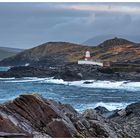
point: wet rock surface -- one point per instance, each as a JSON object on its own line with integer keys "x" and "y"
{"x": 71, "y": 72}
{"x": 31, "y": 115}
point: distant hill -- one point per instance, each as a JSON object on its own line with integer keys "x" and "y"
{"x": 116, "y": 42}
{"x": 94, "y": 41}
{"x": 7, "y": 52}
{"x": 59, "y": 53}
{"x": 51, "y": 53}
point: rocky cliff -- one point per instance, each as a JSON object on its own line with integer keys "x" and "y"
{"x": 35, "y": 116}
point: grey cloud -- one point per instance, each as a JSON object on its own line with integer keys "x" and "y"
{"x": 26, "y": 25}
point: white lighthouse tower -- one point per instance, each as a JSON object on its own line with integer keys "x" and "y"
{"x": 88, "y": 61}
{"x": 87, "y": 55}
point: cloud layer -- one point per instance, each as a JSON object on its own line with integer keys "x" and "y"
{"x": 25, "y": 25}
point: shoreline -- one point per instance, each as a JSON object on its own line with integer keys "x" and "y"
{"x": 42, "y": 117}
{"x": 72, "y": 72}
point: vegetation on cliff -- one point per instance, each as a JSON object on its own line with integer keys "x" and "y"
{"x": 59, "y": 53}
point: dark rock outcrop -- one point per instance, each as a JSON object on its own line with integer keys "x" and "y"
{"x": 128, "y": 120}
{"x": 101, "y": 110}
{"x": 34, "y": 116}
{"x": 71, "y": 72}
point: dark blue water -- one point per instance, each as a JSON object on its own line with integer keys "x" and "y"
{"x": 112, "y": 95}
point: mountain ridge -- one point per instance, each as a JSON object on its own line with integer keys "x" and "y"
{"x": 60, "y": 53}
{"x": 116, "y": 41}
{"x": 96, "y": 40}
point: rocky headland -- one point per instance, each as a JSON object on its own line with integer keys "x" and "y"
{"x": 59, "y": 53}
{"x": 31, "y": 115}
{"x": 59, "y": 60}
{"x": 73, "y": 72}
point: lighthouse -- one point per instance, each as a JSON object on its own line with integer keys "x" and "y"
{"x": 87, "y": 55}
{"x": 88, "y": 60}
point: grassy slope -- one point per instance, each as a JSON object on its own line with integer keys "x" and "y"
{"x": 112, "y": 50}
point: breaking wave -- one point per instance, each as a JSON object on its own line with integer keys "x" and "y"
{"x": 127, "y": 85}
{"x": 12, "y": 78}
{"x": 72, "y": 98}
{"x": 132, "y": 86}
{"x": 110, "y": 106}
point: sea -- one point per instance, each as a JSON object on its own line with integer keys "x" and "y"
{"x": 110, "y": 94}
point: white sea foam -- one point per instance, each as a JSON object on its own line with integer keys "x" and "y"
{"x": 12, "y": 78}
{"x": 27, "y": 64}
{"x": 132, "y": 86}
{"x": 21, "y": 81}
{"x": 110, "y": 106}
{"x": 97, "y": 84}
{"x": 127, "y": 85}
{"x": 55, "y": 81}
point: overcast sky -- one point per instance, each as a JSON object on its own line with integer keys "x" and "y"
{"x": 25, "y": 25}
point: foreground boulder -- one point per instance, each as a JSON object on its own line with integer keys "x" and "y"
{"x": 129, "y": 120}
{"x": 34, "y": 116}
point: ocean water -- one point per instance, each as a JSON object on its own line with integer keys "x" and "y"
{"x": 4, "y": 68}
{"x": 110, "y": 94}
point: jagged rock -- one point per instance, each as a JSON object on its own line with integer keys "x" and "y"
{"x": 133, "y": 108}
{"x": 101, "y": 110}
{"x": 60, "y": 128}
{"x": 87, "y": 82}
{"x": 85, "y": 123}
{"x": 102, "y": 130}
{"x": 122, "y": 112}
{"x": 34, "y": 116}
{"x": 80, "y": 126}
{"x": 91, "y": 114}
{"x": 33, "y": 113}
{"x": 129, "y": 120}
{"x": 111, "y": 114}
